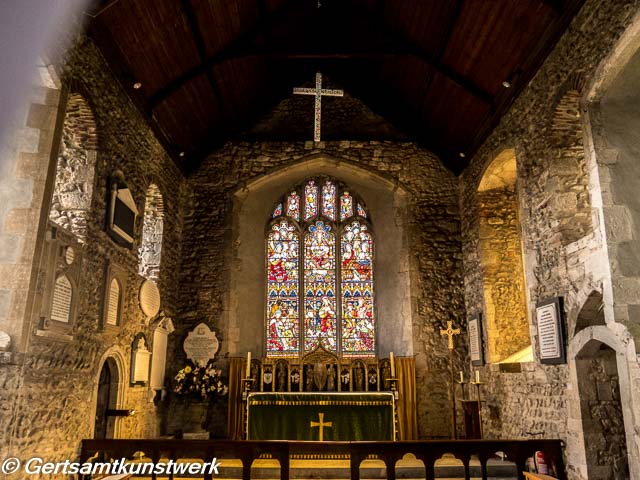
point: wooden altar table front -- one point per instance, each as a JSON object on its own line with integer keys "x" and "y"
{"x": 343, "y": 416}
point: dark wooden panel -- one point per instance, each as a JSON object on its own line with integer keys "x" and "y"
{"x": 190, "y": 115}
{"x": 452, "y": 115}
{"x": 493, "y": 38}
{"x": 154, "y": 39}
{"x": 425, "y": 23}
{"x": 223, "y": 21}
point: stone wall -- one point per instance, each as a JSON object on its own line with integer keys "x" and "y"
{"x": 502, "y": 272}
{"x": 560, "y": 198}
{"x": 432, "y": 242}
{"x": 49, "y": 387}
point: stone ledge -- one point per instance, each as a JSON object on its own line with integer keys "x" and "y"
{"x": 61, "y": 337}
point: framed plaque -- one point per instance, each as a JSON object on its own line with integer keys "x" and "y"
{"x": 476, "y": 347}
{"x": 551, "y": 331}
{"x": 122, "y": 213}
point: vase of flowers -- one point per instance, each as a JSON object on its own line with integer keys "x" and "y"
{"x": 200, "y": 387}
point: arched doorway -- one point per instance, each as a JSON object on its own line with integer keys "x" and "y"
{"x": 601, "y": 412}
{"x": 106, "y": 400}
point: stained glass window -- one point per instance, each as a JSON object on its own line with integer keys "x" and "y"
{"x": 361, "y": 211}
{"x": 282, "y": 290}
{"x": 319, "y": 287}
{"x": 346, "y": 206}
{"x": 310, "y": 200}
{"x": 329, "y": 200}
{"x": 358, "y": 329}
{"x": 293, "y": 206}
{"x": 278, "y": 211}
{"x": 333, "y": 303}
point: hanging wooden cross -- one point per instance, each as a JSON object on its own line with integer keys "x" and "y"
{"x": 450, "y": 332}
{"x": 318, "y": 92}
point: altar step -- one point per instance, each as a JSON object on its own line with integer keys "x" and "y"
{"x": 446, "y": 469}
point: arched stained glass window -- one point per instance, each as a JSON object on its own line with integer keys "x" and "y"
{"x": 319, "y": 286}
{"x": 320, "y": 278}
{"x": 283, "y": 318}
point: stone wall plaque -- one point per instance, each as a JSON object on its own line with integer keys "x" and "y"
{"x": 62, "y": 296}
{"x": 113, "y": 307}
{"x": 551, "y": 331}
{"x": 141, "y": 359}
{"x": 476, "y": 352}
{"x": 159, "y": 357}
{"x": 149, "y": 298}
{"x": 201, "y": 345}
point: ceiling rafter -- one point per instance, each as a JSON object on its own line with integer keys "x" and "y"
{"x": 245, "y": 47}
{"x": 196, "y": 33}
{"x": 236, "y": 49}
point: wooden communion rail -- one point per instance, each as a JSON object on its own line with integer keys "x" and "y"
{"x": 517, "y": 451}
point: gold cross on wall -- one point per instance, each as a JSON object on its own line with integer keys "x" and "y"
{"x": 318, "y": 92}
{"x": 450, "y": 332}
{"x": 321, "y": 425}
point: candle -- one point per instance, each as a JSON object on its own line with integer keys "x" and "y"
{"x": 393, "y": 365}
{"x": 248, "y": 372}
{"x": 461, "y": 377}
{"x": 477, "y": 376}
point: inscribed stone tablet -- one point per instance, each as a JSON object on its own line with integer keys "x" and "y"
{"x": 548, "y": 333}
{"x": 474, "y": 340}
{"x": 149, "y": 298}
{"x": 141, "y": 361}
{"x": 201, "y": 345}
{"x": 69, "y": 255}
{"x": 61, "y": 305}
{"x": 114, "y": 303}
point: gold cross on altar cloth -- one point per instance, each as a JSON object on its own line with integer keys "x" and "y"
{"x": 450, "y": 332}
{"x": 318, "y": 92}
{"x": 321, "y": 425}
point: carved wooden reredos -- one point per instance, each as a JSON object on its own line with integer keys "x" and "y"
{"x": 320, "y": 371}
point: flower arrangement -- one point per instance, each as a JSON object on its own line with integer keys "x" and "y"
{"x": 202, "y": 383}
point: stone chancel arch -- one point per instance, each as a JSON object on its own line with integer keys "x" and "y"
{"x": 385, "y": 205}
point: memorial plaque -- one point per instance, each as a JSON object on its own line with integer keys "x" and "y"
{"x": 201, "y": 345}
{"x": 149, "y": 298}
{"x": 61, "y": 304}
{"x": 113, "y": 309}
{"x": 159, "y": 357}
{"x": 476, "y": 352}
{"x": 141, "y": 361}
{"x": 550, "y": 331}
{"x": 69, "y": 255}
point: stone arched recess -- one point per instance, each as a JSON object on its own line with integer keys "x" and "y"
{"x": 253, "y": 206}
{"x": 501, "y": 260}
{"x": 586, "y": 344}
{"x": 116, "y": 356}
{"x": 150, "y": 252}
{"x": 75, "y": 168}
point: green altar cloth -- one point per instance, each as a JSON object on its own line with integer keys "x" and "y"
{"x": 339, "y": 415}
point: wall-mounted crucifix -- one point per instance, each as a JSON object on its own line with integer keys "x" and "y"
{"x": 318, "y": 92}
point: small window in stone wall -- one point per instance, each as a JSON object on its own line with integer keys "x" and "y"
{"x": 501, "y": 262}
{"x": 152, "y": 230}
{"x": 75, "y": 168}
{"x": 62, "y": 298}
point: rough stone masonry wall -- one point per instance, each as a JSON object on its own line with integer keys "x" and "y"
{"x": 434, "y": 245}
{"x": 503, "y": 274}
{"x": 533, "y": 401}
{"x": 48, "y": 391}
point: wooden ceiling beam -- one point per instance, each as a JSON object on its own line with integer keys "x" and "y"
{"x": 556, "y": 5}
{"x": 244, "y": 43}
{"x": 196, "y": 33}
{"x": 448, "y": 72}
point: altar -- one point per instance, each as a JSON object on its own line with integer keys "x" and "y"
{"x": 321, "y": 416}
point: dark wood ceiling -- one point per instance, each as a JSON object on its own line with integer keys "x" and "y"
{"x": 210, "y": 69}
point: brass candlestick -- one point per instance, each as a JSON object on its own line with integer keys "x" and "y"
{"x": 477, "y": 383}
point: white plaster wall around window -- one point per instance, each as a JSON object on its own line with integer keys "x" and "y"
{"x": 253, "y": 206}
